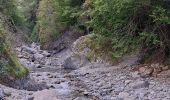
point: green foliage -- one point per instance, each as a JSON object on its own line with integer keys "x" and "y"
{"x": 27, "y": 9}
{"x": 68, "y": 11}
{"x": 9, "y": 8}
{"x": 130, "y": 25}
{"x": 9, "y": 64}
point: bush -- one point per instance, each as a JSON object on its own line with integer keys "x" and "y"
{"x": 132, "y": 25}
{"x": 9, "y": 8}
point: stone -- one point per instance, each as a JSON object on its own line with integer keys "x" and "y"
{"x": 1, "y": 94}
{"x": 164, "y": 68}
{"x": 31, "y": 98}
{"x": 128, "y": 81}
{"x": 20, "y": 56}
{"x": 142, "y": 69}
{"x": 148, "y": 71}
{"x": 45, "y": 95}
{"x": 135, "y": 74}
{"x": 46, "y": 54}
{"x": 38, "y": 56}
{"x": 28, "y": 49}
{"x": 125, "y": 96}
{"x": 73, "y": 62}
{"x": 139, "y": 84}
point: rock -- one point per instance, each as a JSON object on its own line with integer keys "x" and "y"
{"x": 128, "y": 81}
{"x": 142, "y": 69}
{"x": 46, "y": 54}
{"x": 39, "y": 66}
{"x": 164, "y": 68}
{"x": 146, "y": 71}
{"x": 1, "y": 94}
{"x": 125, "y": 96}
{"x": 45, "y": 95}
{"x": 20, "y": 56}
{"x": 139, "y": 84}
{"x": 135, "y": 74}
{"x": 30, "y": 98}
{"x": 38, "y": 57}
{"x": 7, "y": 92}
{"x": 28, "y": 49}
{"x": 74, "y": 62}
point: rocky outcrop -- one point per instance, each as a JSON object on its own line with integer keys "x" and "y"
{"x": 65, "y": 40}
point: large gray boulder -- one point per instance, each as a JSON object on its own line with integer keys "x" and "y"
{"x": 74, "y": 62}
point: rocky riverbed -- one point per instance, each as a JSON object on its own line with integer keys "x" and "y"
{"x": 65, "y": 76}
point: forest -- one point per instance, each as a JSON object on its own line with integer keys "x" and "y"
{"x": 85, "y": 45}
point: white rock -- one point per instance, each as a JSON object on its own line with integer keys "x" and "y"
{"x": 135, "y": 74}
{"x": 45, "y": 53}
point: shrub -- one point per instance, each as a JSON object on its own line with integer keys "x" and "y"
{"x": 132, "y": 25}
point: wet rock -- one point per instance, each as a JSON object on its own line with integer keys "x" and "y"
{"x": 45, "y": 95}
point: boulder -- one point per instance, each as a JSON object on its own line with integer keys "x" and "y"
{"x": 46, "y": 54}
{"x": 1, "y": 94}
{"x": 74, "y": 62}
{"x": 28, "y": 49}
{"x": 38, "y": 56}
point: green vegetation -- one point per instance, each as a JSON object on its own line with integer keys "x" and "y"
{"x": 130, "y": 26}
{"x": 9, "y": 65}
{"x": 120, "y": 27}
{"x": 8, "y": 8}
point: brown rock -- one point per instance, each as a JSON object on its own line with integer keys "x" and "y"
{"x": 146, "y": 71}
{"x": 142, "y": 69}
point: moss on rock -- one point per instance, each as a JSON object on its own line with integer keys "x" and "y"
{"x": 9, "y": 64}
